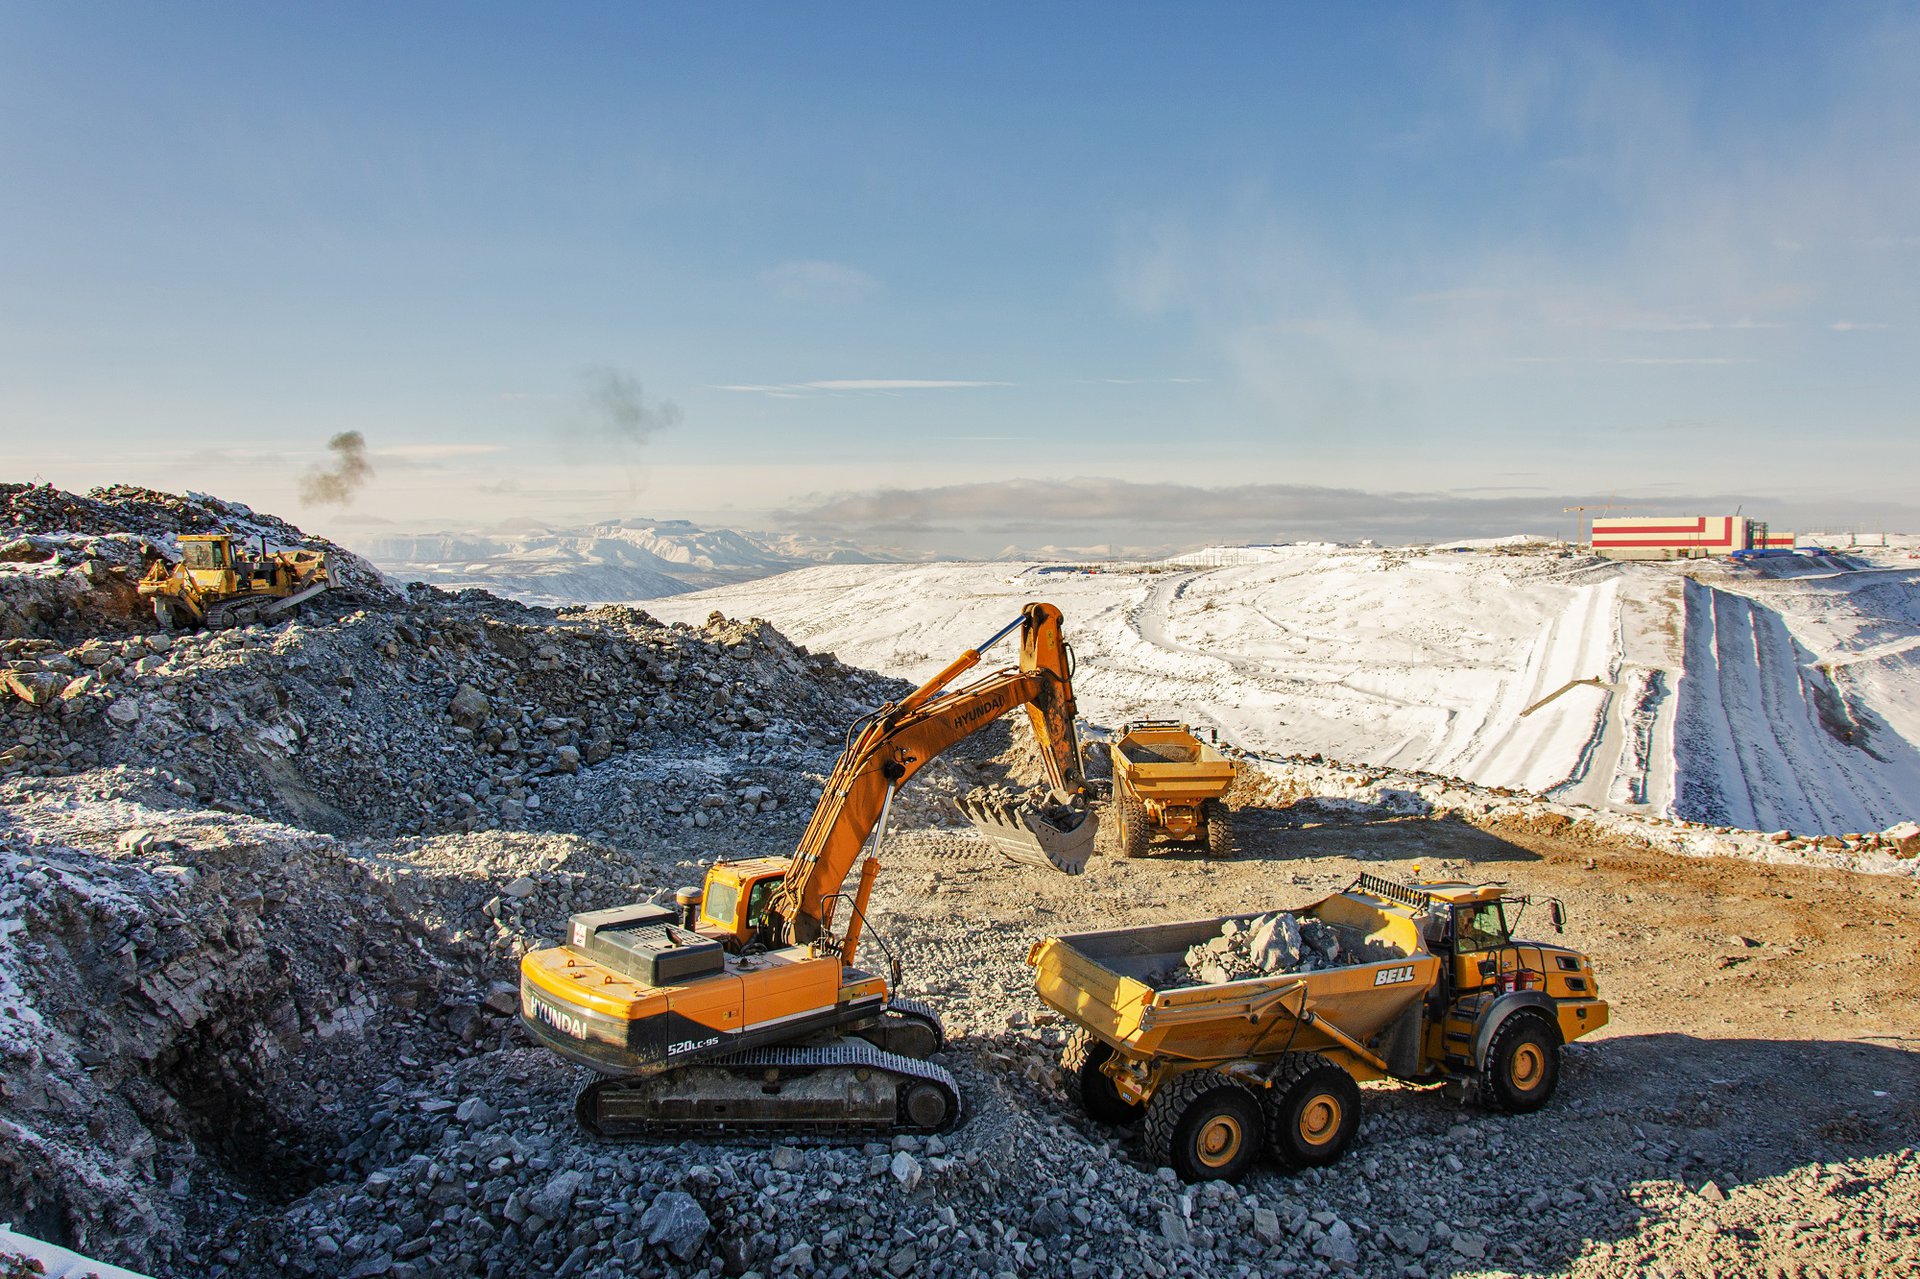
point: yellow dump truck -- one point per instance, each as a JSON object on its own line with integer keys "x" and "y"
{"x": 1424, "y": 983}
{"x": 218, "y": 584}
{"x": 1168, "y": 783}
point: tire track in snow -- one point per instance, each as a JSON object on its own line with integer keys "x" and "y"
{"x": 1752, "y": 747}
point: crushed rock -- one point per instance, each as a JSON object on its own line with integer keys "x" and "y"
{"x": 1263, "y": 946}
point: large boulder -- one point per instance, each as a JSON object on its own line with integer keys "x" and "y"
{"x": 469, "y": 707}
{"x": 675, "y": 1221}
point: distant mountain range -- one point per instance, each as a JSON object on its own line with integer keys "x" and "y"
{"x": 627, "y": 560}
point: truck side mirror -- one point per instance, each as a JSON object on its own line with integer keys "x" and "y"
{"x": 1558, "y": 914}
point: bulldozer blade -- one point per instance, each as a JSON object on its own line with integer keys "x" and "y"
{"x": 1052, "y": 839}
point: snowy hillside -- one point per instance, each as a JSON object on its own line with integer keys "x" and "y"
{"x": 626, "y": 560}
{"x": 1781, "y": 696}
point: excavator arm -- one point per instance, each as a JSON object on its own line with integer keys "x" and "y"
{"x": 895, "y": 742}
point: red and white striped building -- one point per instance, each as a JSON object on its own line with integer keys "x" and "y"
{"x": 1681, "y": 537}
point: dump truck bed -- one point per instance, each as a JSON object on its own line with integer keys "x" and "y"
{"x": 1171, "y": 765}
{"x": 1113, "y": 983}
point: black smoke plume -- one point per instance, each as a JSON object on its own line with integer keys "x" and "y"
{"x": 335, "y": 485}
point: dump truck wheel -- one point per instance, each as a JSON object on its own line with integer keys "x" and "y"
{"x": 1133, "y": 824}
{"x": 1082, "y": 1058}
{"x": 1312, "y": 1112}
{"x": 1219, "y": 823}
{"x": 1205, "y": 1127}
{"x": 1523, "y": 1065}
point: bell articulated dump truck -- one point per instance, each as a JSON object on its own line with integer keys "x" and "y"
{"x": 1168, "y": 783}
{"x": 1422, "y": 983}
{"x": 753, "y": 1007}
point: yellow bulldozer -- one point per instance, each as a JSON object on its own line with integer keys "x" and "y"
{"x": 754, "y": 1007}
{"x": 1426, "y": 983}
{"x": 217, "y": 584}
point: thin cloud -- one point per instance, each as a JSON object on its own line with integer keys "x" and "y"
{"x": 428, "y": 451}
{"x": 893, "y": 384}
{"x": 1632, "y": 359}
{"x": 1144, "y": 381}
{"x": 1855, "y": 326}
{"x": 820, "y": 280}
{"x": 793, "y": 390}
{"x": 1700, "y": 245}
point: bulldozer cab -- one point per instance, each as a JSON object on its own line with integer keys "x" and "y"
{"x": 209, "y": 560}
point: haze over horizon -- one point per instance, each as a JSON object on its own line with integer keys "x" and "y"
{"x": 953, "y": 280}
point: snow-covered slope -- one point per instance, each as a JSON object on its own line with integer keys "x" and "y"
{"x": 627, "y": 560}
{"x": 1616, "y": 685}
{"x": 1801, "y": 706}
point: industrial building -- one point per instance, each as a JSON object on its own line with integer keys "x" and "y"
{"x": 1682, "y": 537}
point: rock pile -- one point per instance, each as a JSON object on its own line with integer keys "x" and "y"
{"x": 1278, "y": 942}
{"x": 428, "y": 715}
{"x": 196, "y": 1006}
{"x": 69, "y": 564}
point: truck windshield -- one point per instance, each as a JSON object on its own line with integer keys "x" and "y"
{"x": 1479, "y": 927}
{"x": 198, "y": 555}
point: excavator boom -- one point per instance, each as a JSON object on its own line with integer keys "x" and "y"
{"x": 895, "y": 742}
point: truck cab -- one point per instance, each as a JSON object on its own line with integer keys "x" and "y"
{"x": 1489, "y": 975}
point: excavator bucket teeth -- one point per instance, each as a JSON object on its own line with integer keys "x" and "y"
{"x": 1053, "y": 837}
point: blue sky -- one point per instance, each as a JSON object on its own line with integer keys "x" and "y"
{"x": 1652, "y": 252}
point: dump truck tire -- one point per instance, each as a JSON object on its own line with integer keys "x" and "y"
{"x": 1219, "y": 833}
{"x": 1133, "y": 824}
{"x": 1312, "y": 1112}
{"x": 1523, "y": 1065}
{"x": 1082, "y": 1058}
{"x": 1204, "y": 1126}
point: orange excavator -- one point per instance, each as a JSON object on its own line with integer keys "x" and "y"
{"x": 747, "y": 1009}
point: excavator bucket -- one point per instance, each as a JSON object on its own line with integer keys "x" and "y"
{"x": 1049, "y": 836}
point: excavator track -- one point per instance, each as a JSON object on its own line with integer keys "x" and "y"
{"x": 844, "y": 1091}
{"x": 920, "y": 1010}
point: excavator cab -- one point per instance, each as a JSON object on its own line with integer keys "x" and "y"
{"x": 735, "y": 907}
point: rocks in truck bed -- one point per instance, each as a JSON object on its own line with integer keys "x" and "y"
{"x": 1277, "y": 942}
